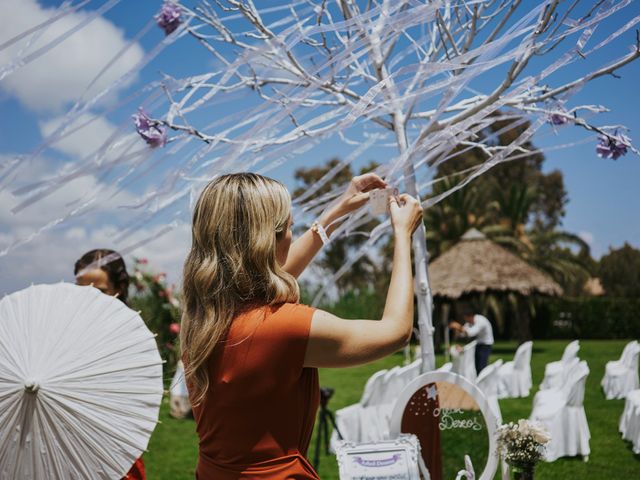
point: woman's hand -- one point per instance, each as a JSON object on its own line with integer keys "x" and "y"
{"x": 357, "y": 193}
{"x": 406, "y": 213}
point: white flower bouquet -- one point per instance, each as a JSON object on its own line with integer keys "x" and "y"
{"x": 522, "y": 445}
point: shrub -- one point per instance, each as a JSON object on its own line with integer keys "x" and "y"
{"x": 587, "y": 317}
{"x": 159, "y": 308}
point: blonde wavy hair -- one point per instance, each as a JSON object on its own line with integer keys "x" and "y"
{"x": 232, "y": 264}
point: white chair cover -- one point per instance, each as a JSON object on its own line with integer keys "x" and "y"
{"x": 465, "y": 363}
{"x": 565, "y": 418}
{"x": 368, "y": 420}
{"x": 630, "y": 420}
{"x": 447, "y": 367}
{"x": 399, "y": 379}
{"x": 489, "y": 382}
{"x": 621, "y": 376}
{"x": 179, "y": 404}
{"x": 386, "y": 396}
{"x": 552, "y": 394}
{"x": 554, "y": 371}
{"x": 515, "y": 376}
{"x": 373, "y": 388}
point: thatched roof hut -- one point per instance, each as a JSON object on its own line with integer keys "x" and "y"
{"x": 476, "y": 265}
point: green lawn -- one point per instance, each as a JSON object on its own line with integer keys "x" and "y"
{"x": 173, "y": 448}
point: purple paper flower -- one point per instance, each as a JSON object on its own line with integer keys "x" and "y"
{"x": 169, "y": 17}
{"x": 613, "y": 147}
{"x": 151, "y": 133}
{"x": 557, "y": 119}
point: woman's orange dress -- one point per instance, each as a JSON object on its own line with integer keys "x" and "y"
{"x": 257, "y": 418}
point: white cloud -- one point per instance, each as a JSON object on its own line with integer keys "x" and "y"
{"x": 87, "y": 134}
{"x": 63, "y": 73}
{"x": 50, "y": 256}
{"x": 56, "y": 204}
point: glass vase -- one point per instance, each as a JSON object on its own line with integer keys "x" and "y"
{"x": 523, "y": 472}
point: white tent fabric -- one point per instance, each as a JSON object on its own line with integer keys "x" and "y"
{"x": 368, "y": 420}
{"x": 489, "y": 382}
{"x": 629, "y": 424}
{"x": 464, "y": 363}
{"x": 515, "y": 376}
{"x": 554, "y": 372}
{"x": 621, "y": 376}
{"x": 564, "y": 417}
{"x": 80, "y": 384}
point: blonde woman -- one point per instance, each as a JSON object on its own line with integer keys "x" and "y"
{"x": 251, "y": 351}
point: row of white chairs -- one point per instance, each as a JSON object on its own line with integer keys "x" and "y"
{"x": 513, "y": 377}
{"x": 621, "y": 381}
{"x": 369, "y": 419}
{"x": 559, "y": 405}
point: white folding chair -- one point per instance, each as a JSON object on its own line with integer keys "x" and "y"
{"x": 621, "y": 376}
{"x": 489, "y": 382}
{"x": 515, "y": 376}
{"x": 565, "y": 419}
{"x": 554, "y": 371}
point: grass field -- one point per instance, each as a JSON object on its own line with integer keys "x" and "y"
{"x": 173, "y": 448}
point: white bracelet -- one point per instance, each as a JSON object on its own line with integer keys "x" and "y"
{"x": 319, "y": 229}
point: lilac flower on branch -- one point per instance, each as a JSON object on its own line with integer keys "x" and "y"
{"x": 613, "y": 146}
{"x": 557, "y": 119}
{"x": 169, "y": 17}
{"x": 150, "y": 132}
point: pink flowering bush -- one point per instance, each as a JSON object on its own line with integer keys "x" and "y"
{"x": 160, "y": 309}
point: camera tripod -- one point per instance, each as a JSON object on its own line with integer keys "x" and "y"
{"x": 326, "y": 416}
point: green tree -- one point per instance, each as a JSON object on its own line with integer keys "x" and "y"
{"x": 547, "y": 205}
{"x": 362, "y": 275}
{"x": 619, "y": 272}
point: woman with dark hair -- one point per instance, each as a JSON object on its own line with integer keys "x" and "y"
{"x": 105, "y": 270}
{"x": 250, "y": 350}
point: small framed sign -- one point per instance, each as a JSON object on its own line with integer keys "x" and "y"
{"x": 384, "y": 460}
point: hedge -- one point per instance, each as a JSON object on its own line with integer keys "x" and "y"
{"x": 587, "y": 317}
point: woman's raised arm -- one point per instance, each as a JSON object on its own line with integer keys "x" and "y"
{"x": 307, "y": 246}
{"x": 336, "y": 342}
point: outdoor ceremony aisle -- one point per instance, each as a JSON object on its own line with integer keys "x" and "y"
{"x": 173, "y": 447}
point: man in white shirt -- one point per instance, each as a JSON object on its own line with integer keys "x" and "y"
{"x": 477, "y": 326}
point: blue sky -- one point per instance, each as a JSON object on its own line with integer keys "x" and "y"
{"x": 603, "y": 201}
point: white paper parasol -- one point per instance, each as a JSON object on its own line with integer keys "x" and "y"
{"x": 80, "y": 384}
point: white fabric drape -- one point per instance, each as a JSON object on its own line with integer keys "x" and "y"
{"x": 515, "y": 376}
{"x": 368, "y": 420}
{"x": 554, "y": 372}
{"x": 621, "y": 376}
{"x": 629, "y": 425}
{"x": 180, "y": 406}
{"x": 562, "y": 413}
{"x": 465, "y": 362}
{"x": 489, "y": 382}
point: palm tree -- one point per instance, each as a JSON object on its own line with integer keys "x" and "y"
{"x": 449, "y": 219}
